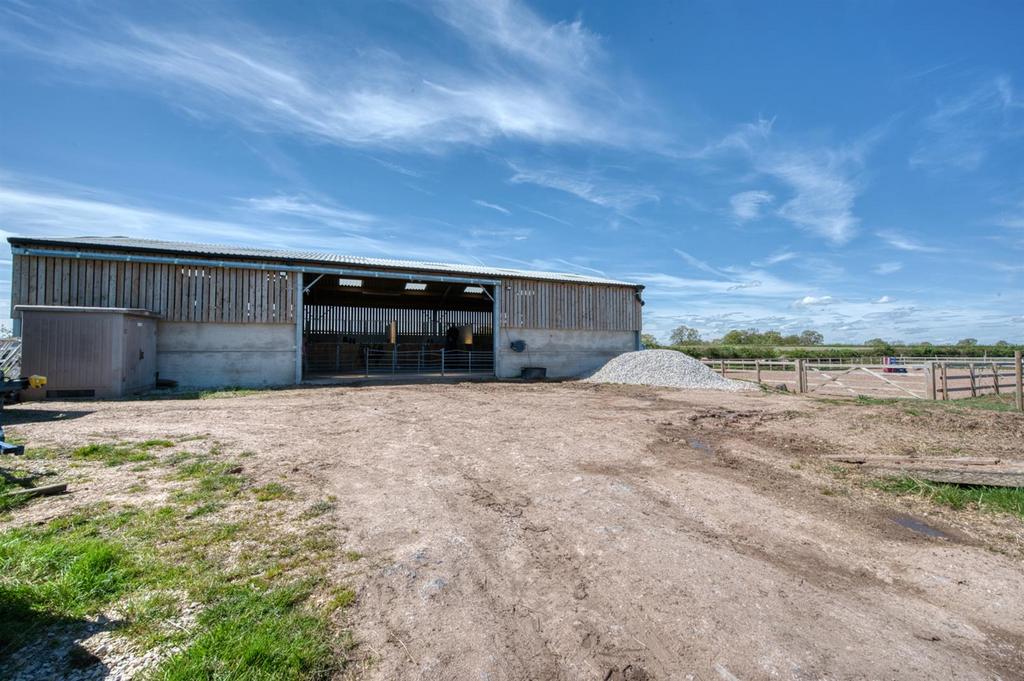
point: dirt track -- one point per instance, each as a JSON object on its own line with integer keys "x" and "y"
{"x": 597, "y": 532}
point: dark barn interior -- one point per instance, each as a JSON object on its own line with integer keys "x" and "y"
{"x": 380, "y": 325}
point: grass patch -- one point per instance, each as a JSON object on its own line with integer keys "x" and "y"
{"x": 318, "y": 509}
{"x": 250, "y": 581}
{"x": 115, "y": 454}
{"x": 272, "y": 491}
{"x": 256, "y": 634}
{"x": 215, "y": 481}
{"x": 985, "y": 402}
{"x": 990, "y": 499}
{"x": 58, "y": 574}
{"x": 353, "y": 556}
{"x": 342, "y": 598}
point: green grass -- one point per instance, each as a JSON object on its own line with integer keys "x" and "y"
{"x": 989, "y": 499}
{"x": 917, "y": 407}
{"x": 227, "y": 393}
{"x": 342, "y": 598}
{"x": 254, "y": 635}
{"x": 252, "y": 581}
{"x": 60, "y": 573}
{"x": 115, "y": 454}
{"x": 272, "y": 491}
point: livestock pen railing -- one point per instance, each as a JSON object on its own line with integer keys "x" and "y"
{"x": 921, "y": 378}
{"x": 10, "y": 356}
{"x": 377, "y": 362}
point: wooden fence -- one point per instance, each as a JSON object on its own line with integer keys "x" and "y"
{"x": 929, "y": 379}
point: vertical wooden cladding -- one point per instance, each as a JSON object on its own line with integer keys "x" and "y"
{"x": 183, "y": 293}
{"x": 527, "y": 303}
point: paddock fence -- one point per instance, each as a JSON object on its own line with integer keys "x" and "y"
{"x": 931, "y": 378}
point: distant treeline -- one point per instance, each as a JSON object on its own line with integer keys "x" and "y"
{"x": 721, "y": 351}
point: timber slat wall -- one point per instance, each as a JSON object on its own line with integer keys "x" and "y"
{"x": 216, "y": 294}
{"x": 181, "y": 293}
{"x": 553, "y": 305}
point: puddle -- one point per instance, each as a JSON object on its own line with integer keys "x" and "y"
{"x": 699, "y": 445}
{"x": 919, "y": 526}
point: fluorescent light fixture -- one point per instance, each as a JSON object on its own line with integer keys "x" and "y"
{"x": 473, "y": 289}
{"x": 415, "y": 286}
{"x": 350, "y": 282}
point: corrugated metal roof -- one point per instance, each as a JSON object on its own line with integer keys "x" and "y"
{"x": 284, "y": 256}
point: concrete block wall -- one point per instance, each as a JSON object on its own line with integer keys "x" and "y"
{"x": 211, "y": 355}
{"x": 565, "y": 353}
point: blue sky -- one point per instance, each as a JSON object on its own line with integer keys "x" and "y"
{"x": 856, "y": 168}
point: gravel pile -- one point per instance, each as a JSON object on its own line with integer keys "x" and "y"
{"x": 663, "y": 368}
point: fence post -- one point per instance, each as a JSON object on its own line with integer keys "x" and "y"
{"x": 1020, "y": 379}
{"x": 929, "y": 380}
{"x": 757, "y": 368}
{"x": 974, "y": 389}
{"x": 394, "y": 357}
{"x": 442, "y": 361}
{"x": 945, "y": 381}
{"x": 470, "y": 355}
{"x": 995, "y": 377}
{"x": 801, "y": 380}
{"x": 721, "y": 367}
{"x": 366, "y": 357}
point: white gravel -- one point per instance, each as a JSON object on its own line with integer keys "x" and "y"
{"x": 664, "y": 368}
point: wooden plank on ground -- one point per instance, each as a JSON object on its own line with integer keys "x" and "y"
{"x": 43, "y": 491}
{"x": 923, "y": 461}
{"x": 989, "y": 476}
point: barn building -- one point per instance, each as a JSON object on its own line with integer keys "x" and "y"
{"x": 230, "y": 316}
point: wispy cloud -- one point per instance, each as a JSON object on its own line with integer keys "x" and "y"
{"x": 882, "y": 301}
{"x": 492, "y": 206}
{"x": 532, "y": 79}
{"x": 747, "y": 205}
{"x": 589, "y": 186}
{"x": 822, "y": 181}
{"x": 49, "y": 209}
{"x": 1013, "y": 218}
{"x": 903, "y": 242}
{"x": 887, "y": 267}
{"x": 324, "y": 213}
{"x": 548, "y": 216}
{"x": 699, "y": 264}
{"x": 774, "y": 259}
{"x": 962, "y": 131}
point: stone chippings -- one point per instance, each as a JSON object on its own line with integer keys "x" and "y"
{"x": 666, "y": 368}
{"x": 89, "y": 650}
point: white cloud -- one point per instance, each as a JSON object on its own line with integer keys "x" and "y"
{"x": 902, "y": 242}
{"x": 887, "y": 267}
{"x": 588, "y": 186}
{"x": 747, "y": 205}
{"x": 530, "y": 79}
{"x": 492, "y": 206}
{"x": 882, "y": 301}
{"x": 808, "y": 301}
